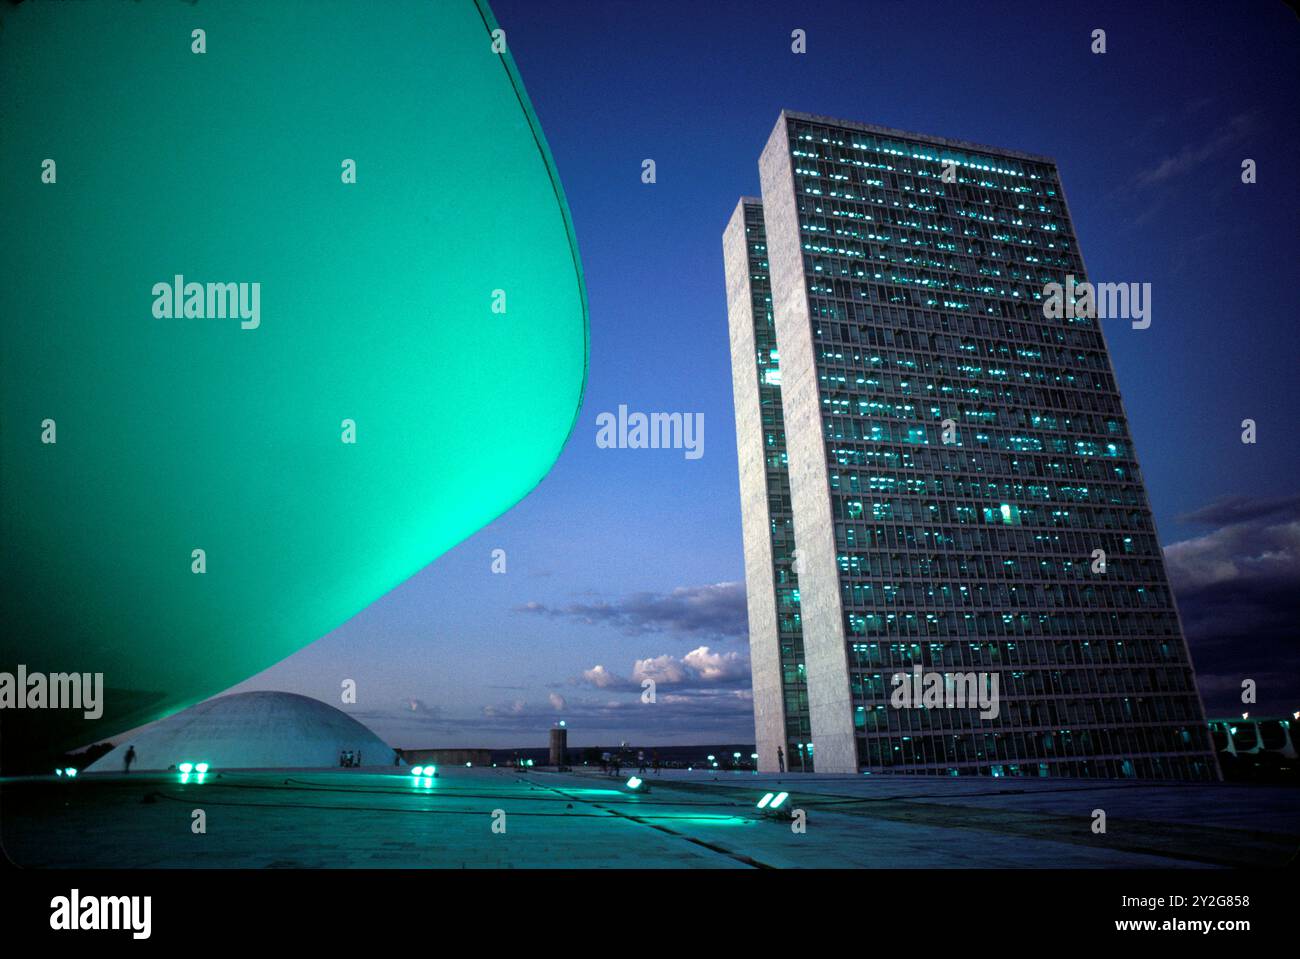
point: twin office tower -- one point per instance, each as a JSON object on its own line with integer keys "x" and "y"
{"x": 937, "y": 480}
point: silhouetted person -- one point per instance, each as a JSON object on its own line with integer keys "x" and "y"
{"x": 640, "y": 761}
{"x": 358, "y": 762}
{"x": 780, "y": 759}
{"x": 656, "y": 762}
{"x": 129, "y": 758}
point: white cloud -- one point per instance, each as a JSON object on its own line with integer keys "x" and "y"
{"x": 713, "y": 667}
{"x": 662, "y": 669}
{"x": 701, "y": 668}
{"x": 600, "y": 677}
{"x": 1246, "y": 550}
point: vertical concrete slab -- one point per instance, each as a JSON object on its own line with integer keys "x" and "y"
{"x": 756, "y": 521}
{"x": 829, "y": 701}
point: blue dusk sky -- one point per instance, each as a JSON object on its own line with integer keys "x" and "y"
{"x": 628, "y": 563}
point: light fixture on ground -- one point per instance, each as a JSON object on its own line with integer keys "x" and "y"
{"x": 772, "y": 805}
{"x": 637, "y": 785}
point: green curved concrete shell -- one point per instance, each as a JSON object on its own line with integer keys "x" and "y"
{"x": 407, "y": 367}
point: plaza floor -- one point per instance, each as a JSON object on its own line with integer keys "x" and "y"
{"x": 499, "y": 818}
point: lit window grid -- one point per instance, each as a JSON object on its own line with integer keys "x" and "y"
{"x": 955, "y": 349}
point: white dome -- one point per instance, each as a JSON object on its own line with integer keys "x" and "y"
{"x": 257, "y": 730}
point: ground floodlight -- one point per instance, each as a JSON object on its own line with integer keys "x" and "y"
{"x": 186, "y": 767}
{"x": 58, "y": 772}
{"x": 70, "y": 772}
{"x": 200, "y": 768}
{"x": 634, "y": 782}
{"x": 417, "y": 770}
{"x": 780, "y": 798}
{"x": 767, "y": 798}
{"x": 467, "y": 765}
{"x": 431, "y": 770}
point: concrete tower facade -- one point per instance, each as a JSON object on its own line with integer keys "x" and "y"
{"x": 966, "y": 500}
{"x": 781, "y": 718}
